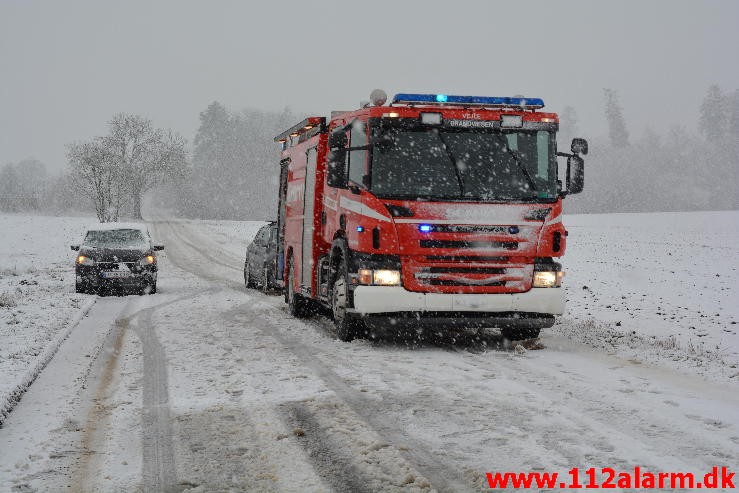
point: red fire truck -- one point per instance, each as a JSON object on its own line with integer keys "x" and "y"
{"x": 432, "y": 211}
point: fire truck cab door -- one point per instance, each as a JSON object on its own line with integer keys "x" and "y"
{"x": 308, "y": 220}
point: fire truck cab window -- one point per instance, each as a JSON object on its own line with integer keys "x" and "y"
{"x": 357, "y": 158}
{"x": 452, "y": 164}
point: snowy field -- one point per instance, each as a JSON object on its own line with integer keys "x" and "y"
{"x": 206, "y": 386}
{"x": 662, "y": 288}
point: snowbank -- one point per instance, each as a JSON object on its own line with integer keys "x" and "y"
{"x": 38, "y": 305}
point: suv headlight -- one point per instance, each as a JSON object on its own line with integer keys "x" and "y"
{"x": 85, "y": 260}
{"x": 548, "y": 279}
{"x": 379, "y": 277}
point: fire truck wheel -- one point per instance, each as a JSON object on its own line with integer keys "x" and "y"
{"x": 346, "y": 327}
{"x": 296, "y": 304}
{"x": 513, "y": 334}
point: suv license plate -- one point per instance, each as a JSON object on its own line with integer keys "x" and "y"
{"x": 115, "y": 274}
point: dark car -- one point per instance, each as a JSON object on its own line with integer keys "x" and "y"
{"x": 260, "y": 266}
{"x": 116, "y": 256}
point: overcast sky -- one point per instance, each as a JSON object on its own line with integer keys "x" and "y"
{"x": 67, "y": 66}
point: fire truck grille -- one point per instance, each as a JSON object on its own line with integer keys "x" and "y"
{"x": 507, "y": 245}
{"x": 448, "y": 282}
{"x": 466, "y": 274}
{"x": 464, "y": 270}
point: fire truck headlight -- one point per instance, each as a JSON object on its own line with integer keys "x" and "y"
{"x": 548, "y": 279}
{"x": 386, "y": 277}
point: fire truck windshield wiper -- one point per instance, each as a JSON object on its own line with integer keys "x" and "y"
{"x": 520, "y": 165}
{"x": 452, "y": 160}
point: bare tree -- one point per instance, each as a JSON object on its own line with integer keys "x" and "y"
{"x": 96, "y": 176}
{"x": 118, "y": 169}
{"x": 146, "y": 156}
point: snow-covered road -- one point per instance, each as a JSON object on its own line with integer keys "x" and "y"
{"x": 208, "y": 387}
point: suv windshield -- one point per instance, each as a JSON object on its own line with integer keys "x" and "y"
{"x": 464, "y": 164}
{"x": 116, "y": 238}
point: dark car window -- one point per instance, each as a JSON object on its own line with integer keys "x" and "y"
{"x": 116, "y": 238}
{"x": 262, "y": 235}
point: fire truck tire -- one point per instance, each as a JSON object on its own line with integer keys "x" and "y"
{"x": 296, "y": 304}
{"x": 514, "y": 334}
{"x": 347, "y": 328}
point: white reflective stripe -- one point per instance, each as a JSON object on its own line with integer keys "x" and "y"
{"x": 556, "y": 220}
{"x": 362, "y": 209}
{"x": 389, "y": 299}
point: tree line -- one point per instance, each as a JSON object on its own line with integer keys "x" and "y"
{"x": 232, "y": 170}
{"x": 678, "y": 171}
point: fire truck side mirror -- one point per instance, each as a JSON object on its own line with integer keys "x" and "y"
{"x": 579, "y": 146}
{"x": 575, "y": 174}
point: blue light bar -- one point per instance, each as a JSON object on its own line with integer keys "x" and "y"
{"x": 528, "y": 103}
{"x": 425, "y": 228}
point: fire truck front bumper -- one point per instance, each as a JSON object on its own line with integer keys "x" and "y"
{"x": 535, "y": 308}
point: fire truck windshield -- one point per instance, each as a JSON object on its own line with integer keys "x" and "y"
{"x": 481, "y": 165}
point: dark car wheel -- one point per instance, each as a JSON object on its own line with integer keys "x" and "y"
{"x": 248, "y": 279}
{"x": 267, "y": 282}
{"x": 296, "y": 304}
{"x": 153, "y": 288}
{"x": 81, "y": 287}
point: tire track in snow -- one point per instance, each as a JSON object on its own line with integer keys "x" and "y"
{"x": 333, "y": 467}
{"x": 639, "y": 429}
{"x": 442, "y": 477}
{"x": 159, "y": 473}
{"x": 97, "y": 417}
{"x": 205, "y": 253}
